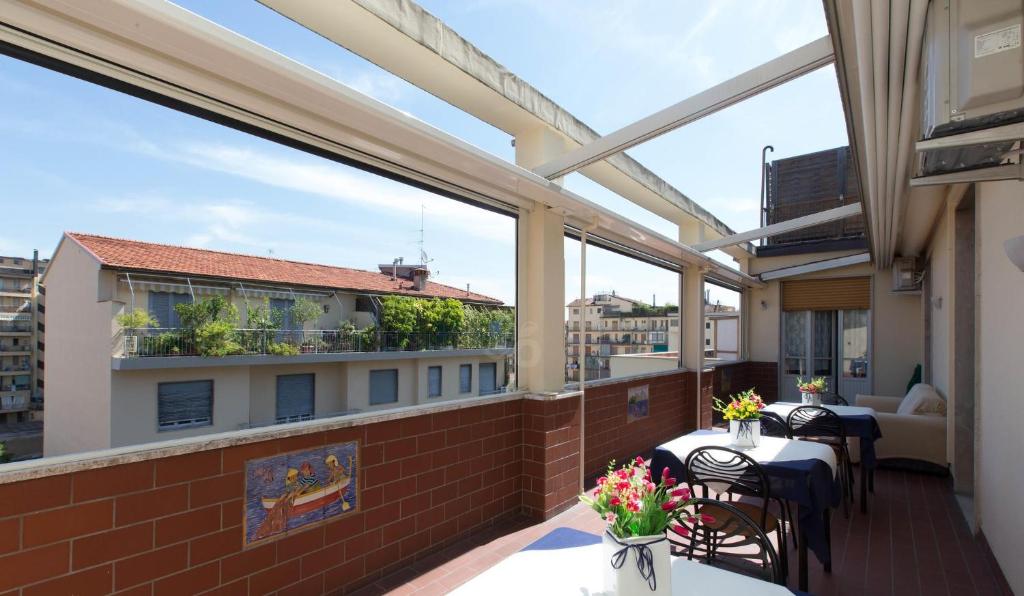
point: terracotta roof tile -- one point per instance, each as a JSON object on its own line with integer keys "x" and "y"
{"x": 134, "y": 255}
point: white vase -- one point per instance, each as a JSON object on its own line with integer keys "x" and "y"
{"x": 745, "y": 434}
{"x": 810, "y": 399}
{"x": 622, "y": 574}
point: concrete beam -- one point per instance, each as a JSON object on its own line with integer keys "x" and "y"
{"x": 771, "y": 74}
{"x": 797, "y": 223}
{"x": 816, "y": 266}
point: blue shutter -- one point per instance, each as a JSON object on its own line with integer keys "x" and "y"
{"x": 434, "y": 381}
{"x": 285, "y": 306}
{"x": 160, "y": 308}
{"x": 383, "y": 386}
{"x": 182, "y": 405}
{"x": 488, "y": 378}
{"x": 465, "y": 378}
{"x": 295, "y": 397}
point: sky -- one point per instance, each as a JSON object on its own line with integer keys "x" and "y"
{"x": 75, "y": 156}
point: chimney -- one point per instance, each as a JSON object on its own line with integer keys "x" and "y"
{"x": 419, "y": 278}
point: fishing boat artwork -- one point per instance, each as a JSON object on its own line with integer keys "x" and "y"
{"x": 288, "y": 491}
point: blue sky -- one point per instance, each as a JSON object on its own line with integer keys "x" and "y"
{"x": 88, "y": 159}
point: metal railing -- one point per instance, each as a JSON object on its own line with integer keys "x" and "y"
{"x": 10, "y": 403}
{"x": 155, "y": 342}
{"x": 14, "y": 328}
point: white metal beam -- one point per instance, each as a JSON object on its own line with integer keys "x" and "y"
{"x": 816, "y": 266}
{"x": 1003, "y": 172}
{"x": 757, "y": 80}
{"x": 998, "y": 134}
{"x": 797, "y": 223}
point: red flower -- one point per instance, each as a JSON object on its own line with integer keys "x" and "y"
{"x": 668, "y": 481}
{"x": 633, "y": 506}
{"x": 623, "y": 474}
{"x": 682, "y": 493}
{"x": 615, "y": 502}
{"x": 622, "y": 485}
{"x": 707, "y": 519}
{"x": 680, "y": 530}
{"x": 665, "y": 473}
{"x": 668, "y": 505}
{"x": 601, "y": 481}
{"x": 639, "y": 461}
{"x": 650, "y": 487}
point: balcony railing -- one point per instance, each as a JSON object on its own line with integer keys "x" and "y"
{"x": 13, "y": 403}
{"x": 164, "y": 342}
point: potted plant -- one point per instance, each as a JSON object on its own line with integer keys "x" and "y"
{"x": 810, "y": 391}
{"x": 743, "y": 412}
{"x": 131, "y": 322}
{"x": 638, "y": 513}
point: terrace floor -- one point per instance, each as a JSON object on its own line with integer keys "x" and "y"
{"x": 913, "y": 541}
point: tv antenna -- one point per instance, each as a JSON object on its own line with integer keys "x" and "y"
{"x": 424, "y": 261}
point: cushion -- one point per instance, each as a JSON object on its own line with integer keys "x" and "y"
{"x": 922, "y": 400}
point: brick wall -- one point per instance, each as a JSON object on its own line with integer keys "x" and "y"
{"x": 729, "y": 379}
{"x": 174, "y": 525}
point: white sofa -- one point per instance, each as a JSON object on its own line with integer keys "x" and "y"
{"x": 913, "y": 426}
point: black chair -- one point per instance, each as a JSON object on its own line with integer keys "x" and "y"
{"x": 772, "y": 425}
{"x": 728, "y": 472}
{"x": 833, "y": 399}
{"x": 825, "y": 426}
{"x": 733, "y": 541}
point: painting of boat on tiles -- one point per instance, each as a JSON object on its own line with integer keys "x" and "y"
{"x": 288, "y": 491}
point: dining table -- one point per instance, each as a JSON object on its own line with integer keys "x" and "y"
{"x": 858, "y": 422}
{"x": 576, "y": 566}
{"x": 802, "y": 472}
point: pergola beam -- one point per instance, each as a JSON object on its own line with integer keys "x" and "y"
{"x": 775, "y": 72}
{"x": 783, "y": 227}
{"x": 825, "y": 265}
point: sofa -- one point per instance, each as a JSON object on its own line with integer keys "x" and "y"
{"x": 913, "y": 427}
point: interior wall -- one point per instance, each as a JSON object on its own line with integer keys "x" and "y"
{"x": 1000, "y": 487}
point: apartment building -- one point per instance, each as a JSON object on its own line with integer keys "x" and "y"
{"x": 111, "y": 386}
{"x": 21, "y": 337}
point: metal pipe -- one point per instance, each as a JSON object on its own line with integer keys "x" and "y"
{"x": 583, "y": 356}
{"x": 764, "y": 167}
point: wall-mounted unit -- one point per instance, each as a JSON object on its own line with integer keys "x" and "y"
{"x": 973, "y": 82}
{"x": 905, "y": 276}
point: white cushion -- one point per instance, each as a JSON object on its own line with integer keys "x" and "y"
{"x": 922, "y": 399}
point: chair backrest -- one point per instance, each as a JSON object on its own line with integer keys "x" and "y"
{"x": 772, "y": 425}
{"x": 725, "y": 470}
{"x": 812, "y": 421}
{"x": 834, "y": 399}
{"x": 732, "y": 541}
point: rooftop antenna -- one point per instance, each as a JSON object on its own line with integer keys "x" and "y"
{"x": 424, "y": 261}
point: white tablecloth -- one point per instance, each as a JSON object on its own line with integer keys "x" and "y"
{"x": 770, "y": 449}
{"x": 784, "y": 408}
{"x": 579, "y": 571}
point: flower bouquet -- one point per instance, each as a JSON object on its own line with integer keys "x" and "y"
{"x": 743, "y": 412}
{"x": 638, "y": 513}
{"x": 810, "y": 391}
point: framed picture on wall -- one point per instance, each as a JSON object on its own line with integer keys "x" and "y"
{"x": 637, "y": 403}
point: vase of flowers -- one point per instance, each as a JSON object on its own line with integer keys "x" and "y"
{"x": 810, "y": 391}
{"x": 743, "y": 412}
{"x": 638, "y": 513}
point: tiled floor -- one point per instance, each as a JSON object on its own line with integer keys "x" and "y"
{"x": 913, "y": 541}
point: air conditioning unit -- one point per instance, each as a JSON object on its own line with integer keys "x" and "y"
{"x": 973, "y": 79}
{"x": 905, "y": 276}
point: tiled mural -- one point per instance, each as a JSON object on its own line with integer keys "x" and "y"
{"x": 288, "y": 491}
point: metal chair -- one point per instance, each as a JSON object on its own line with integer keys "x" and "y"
{"x": 733, "y": 541}
{"x": 728, "y": 472}
{"x": 825, "y": 426}
{"x": 833, "y": 399}
{"x": 772, "y": 425}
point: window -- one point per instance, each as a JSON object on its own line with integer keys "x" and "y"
{"x": 383, "y": 386}
{"x": 575, "y": 311}
{"x": 161, "y": 306}
{"x": 465, "y": 378}
{"x": 707, "y": 341}
{"x": 707, "y": 324}
{"x": 434, "y": 381}
{"x": 295, "y": 398}
{"x": 184, "y": 405}
{"x": 284, "y": 305}
{"x": 488, "y": 378}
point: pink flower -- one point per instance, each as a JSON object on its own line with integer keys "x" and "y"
{"x": 639, "y": 461}
{"x": 650, "y": 487}
{"x": 622, "y": 485}
{"x": 597, "y": 492}
{"x": 602, "y": 480}
{"x": 668, "y": 505}
{"x": 623, "y": 474}
{"x": 707, "y": 519}
{"x": 633, "y": 506}
{"x": 615, "y": 502}
{"x": 682, "y": 493}
{"x": 610, "y": 517}
{"x": 680, "y": 530}
{"x": 647, "y": 473}
{"x": 668, "y": 481}
{"x": 665, "y": 473}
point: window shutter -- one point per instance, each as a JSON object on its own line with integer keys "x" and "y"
{"x": 434, "y": 381}
{"x": 845, "y": 293}
{"x": 285, "y": 306}
{"x": 383, "y": 386}
{"x": 184, "y": 404}
{"x": 160, "y": 308}
{"x": 172, "y": 317}
{"x": 488, "y": 378}
{"x": 295, "y": 397}
{"x": 465, "y": 378}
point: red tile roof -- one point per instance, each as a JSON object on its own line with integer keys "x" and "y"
{"x": 134, "y": 255}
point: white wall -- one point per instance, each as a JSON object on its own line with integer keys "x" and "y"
{"x": 628, "y": 365}
{"x": 999, "y": 209}
{"x": 78, "y": 348}
{"x": 940, "y": 265}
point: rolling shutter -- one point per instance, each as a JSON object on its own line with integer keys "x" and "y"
{"x": 846, "y": 293}
{"x": 181, "y": 405}
{"x": 295, "y": 397}
{"x": 434, "y": 381}
{"x": 160, "y": 308}
{"x": 285, "y": 306}
{"x": 383, "y": 386}
{"x": 488, "y": 378}
{"x": 465, "y": 378}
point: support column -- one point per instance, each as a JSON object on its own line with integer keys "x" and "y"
{"x": 691, "y": 308}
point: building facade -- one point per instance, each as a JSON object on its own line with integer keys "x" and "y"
{"x": 21, "y": 337}
{"x": 110, "y": 385}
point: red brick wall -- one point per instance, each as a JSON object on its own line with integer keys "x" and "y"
{"x": 551, "y": 451}
{"x": 729, "y": 379}
{"x": 174, "y": 525}
{"x": 608, "y": 436}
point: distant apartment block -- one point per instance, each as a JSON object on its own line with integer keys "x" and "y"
{"x": 110, "y": 386}
{"x": 21, "y": 337}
